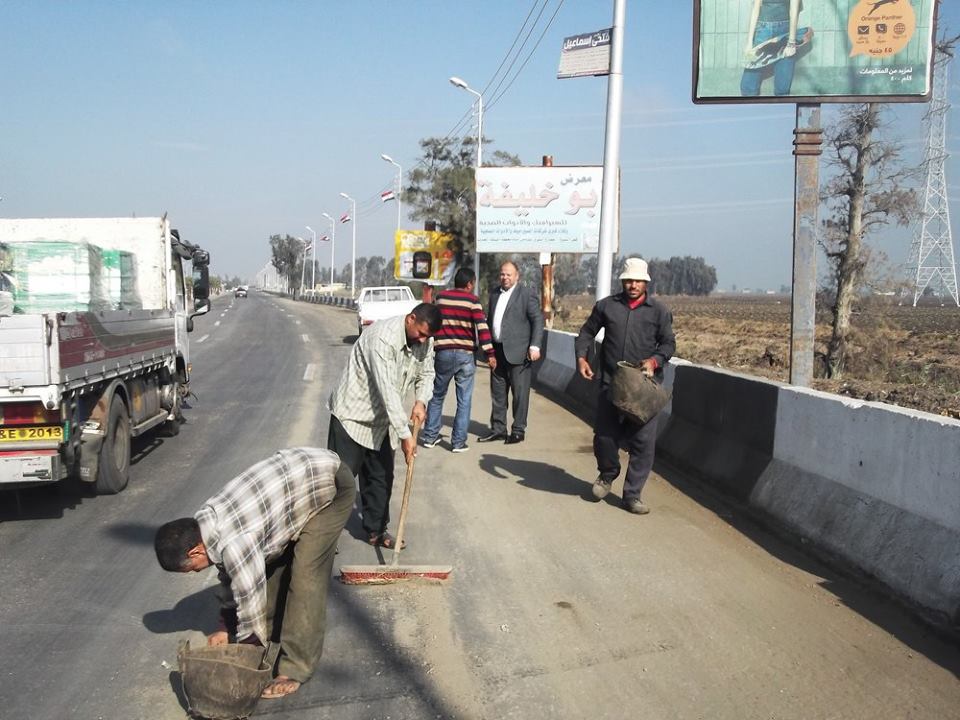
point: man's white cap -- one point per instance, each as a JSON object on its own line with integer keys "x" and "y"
{"x": 635, "y": 269}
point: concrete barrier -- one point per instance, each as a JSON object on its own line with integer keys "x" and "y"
{"x": 873, "y": 486}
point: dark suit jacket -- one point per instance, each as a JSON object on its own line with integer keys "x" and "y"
{"x": 522, "y": 323}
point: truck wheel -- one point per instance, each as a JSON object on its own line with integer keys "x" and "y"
{"x": 113, "y": 469}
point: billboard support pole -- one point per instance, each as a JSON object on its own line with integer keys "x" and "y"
{"x": 807, "y": 142}
{"x": 546, "y": 274}
{"x": 611, "y": 152}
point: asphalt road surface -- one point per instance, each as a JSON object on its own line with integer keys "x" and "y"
{"x": 558, "y": 607}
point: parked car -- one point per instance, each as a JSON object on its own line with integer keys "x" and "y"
{"x": 378, "y": 303}
{"x": 240, "y": 291}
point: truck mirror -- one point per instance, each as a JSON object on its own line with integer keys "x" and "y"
{"x": 201, "y": 306}
{"x": 201, "y": 282}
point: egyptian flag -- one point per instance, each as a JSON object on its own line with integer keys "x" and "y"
{"x": 387, "y": 195}
{"x": 345, "y": 218}
{"x": 323, "y": 238}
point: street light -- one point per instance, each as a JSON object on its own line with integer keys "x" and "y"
{"x": 457, "y": 82}
{"x": 313, "y": 265}
{"x": 353, "y": 252}
{"x": 303, "y": 265}
{"x": 333, "y": 244}
{"x": 399, "y": 183}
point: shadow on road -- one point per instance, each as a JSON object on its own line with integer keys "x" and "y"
{"x": 47, "y": 502}
{"x": 859, "y": 593}
{"x": 195, "y": 612}
{"x": 133, "y": 533}
{"x": 536, "y": 475}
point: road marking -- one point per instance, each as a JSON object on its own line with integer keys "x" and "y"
{"x": 202, "y": 339}
{"x": 298, "y": 322}
{"x": 310, "y": 372}
{"x": 306, "y": 338}
{"x": 217, "y": 324}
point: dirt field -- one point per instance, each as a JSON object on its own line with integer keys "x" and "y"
{"x": 902, "y": 355}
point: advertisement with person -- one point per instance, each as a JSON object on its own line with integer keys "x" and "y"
{"x": 749, "y": 51}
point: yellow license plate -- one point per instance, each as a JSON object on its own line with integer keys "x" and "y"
{"x": 27, "y": 433}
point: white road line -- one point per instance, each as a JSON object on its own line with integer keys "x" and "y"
{"x": 217, "y": 324}
{"x": 202, "y": 339}
{"x": 298, "y": 322}
{"x": 310, "y": 372}
{"x": 306, "y": 338}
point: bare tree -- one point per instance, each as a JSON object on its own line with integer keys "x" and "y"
{"x": 867, "y": 190}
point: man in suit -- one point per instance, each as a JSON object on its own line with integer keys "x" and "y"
{"x": 516, "y": 324}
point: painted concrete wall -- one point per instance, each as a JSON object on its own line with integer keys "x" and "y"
{"x": 873, "y": 485}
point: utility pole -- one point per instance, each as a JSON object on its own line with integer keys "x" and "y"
{"x": 611, "y": 152}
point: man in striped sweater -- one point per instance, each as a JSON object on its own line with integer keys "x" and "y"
{"x": 464, "y": 327}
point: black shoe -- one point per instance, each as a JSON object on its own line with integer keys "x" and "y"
{"x": 514, "y": 438}
{"x": 492, "y": 437}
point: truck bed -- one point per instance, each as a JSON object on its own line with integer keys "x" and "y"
{"x": 77, "y": 348}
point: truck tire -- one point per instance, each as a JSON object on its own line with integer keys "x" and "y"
{"x": 113, "y": 469}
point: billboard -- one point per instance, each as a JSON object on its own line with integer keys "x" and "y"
{"x": 538, "y": 209}
{"x": 755, "y": 51}
{"x": 424, "y": 255}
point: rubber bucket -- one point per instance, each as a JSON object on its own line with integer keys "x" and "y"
{"x": 224, "y": 682}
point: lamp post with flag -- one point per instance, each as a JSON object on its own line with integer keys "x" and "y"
{"x": 333, "y": 243}
{"x": 348, "y": 217}
{"x": 389, "y": 195}
{"x": 457, "y": 82}
{"x": 313, "y": 265}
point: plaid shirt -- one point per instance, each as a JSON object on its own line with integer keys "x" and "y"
{"x": 381, "y": 370}
{"x": 253, "y": 519}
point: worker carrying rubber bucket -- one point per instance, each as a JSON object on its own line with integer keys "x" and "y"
{"x": 272, "y": 534}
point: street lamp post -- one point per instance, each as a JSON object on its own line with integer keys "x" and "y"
{"x": 353, "y": 251}
{"x": 457, "y": 82}
{"x": 303, "y": 265}
{"x": 333, "y": 244}
{"x": 313, "y": 265}
{"x": 399, "y": 184}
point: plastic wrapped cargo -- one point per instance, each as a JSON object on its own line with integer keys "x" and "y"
{"x": 57, "y": 276}
{"x": 120, "y": 279}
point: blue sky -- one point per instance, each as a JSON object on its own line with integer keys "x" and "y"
{"x": 244, "y": 119}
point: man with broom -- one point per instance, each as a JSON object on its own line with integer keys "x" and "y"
{"x": 272, "y": 533}
{"x": 368, "y": 422}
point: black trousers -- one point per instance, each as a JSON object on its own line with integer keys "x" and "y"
{"x": 509, "y": 378}
{"x": 611, "y": 431}
{"x": 375, "y": 470}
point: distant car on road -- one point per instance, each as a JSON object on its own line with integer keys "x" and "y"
{"x": 240, "y": 291}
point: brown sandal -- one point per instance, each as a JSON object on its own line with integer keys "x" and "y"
{"x": 385, "y": 540}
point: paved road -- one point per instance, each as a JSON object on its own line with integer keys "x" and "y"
{"x": 558, "y": 607}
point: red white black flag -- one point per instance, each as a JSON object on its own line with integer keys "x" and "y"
{"x": 387, "y": 195}
{"x": 345, "y": 218}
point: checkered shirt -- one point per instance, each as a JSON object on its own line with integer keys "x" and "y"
{"x": 254, "y": 518}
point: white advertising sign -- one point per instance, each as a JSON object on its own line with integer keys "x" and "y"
{"x": 538, "y": 209}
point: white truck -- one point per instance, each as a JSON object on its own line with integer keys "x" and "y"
{"x": 93, "y": 343}
{"x": 378, "y": 303}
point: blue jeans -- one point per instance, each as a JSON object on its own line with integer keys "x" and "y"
{"x": 461, "y": 366}
{"x": 782, "y": 68}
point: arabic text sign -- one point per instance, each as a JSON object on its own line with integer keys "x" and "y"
{"x": 585, "y": 55}
{"x": 856, "y": 50}
{"x": 430, "y": 249}
{"x": 538, "y": 209}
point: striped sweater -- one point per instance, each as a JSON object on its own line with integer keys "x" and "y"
{"x": 463, "y": 323}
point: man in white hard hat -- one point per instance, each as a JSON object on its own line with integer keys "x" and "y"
{"x": 639, "y": 329}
